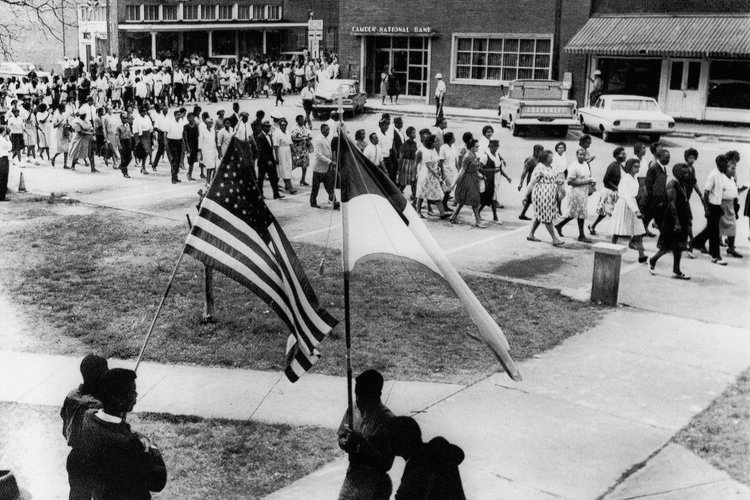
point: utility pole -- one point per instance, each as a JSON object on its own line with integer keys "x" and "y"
{"x": 556, "y": 49}
{"x": 109, "y": 31}
{"x": 62, "y": 19}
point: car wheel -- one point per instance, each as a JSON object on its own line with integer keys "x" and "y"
{"x": 585, "y": 128}
{"x": 654, "y": 138}
{"x": 503, "y": 123}
{"x": 515, "y": 129}
{"x": 562, "y": 131}
{"x": 607, "y": 136}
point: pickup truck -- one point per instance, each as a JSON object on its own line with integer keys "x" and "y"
{"x": 536, "y": 103}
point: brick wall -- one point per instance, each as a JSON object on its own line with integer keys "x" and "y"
{"x": 446, "y": 17}
{"x": 670, "y": 6}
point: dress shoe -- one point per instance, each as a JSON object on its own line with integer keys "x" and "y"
{"x": 278, "y": 196}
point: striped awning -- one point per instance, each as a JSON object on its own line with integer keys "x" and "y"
{"x": 664, "y": 35}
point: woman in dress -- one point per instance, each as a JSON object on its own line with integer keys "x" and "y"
{"x": 61, "y": 126}
{"x": 44, "y": 127}
{"x": 30, "y": 132}
{"x": 484, "y": 141}
{"x": 384, "y": 81}
{"x": 394, "y": 88}
{"x": 301, "y": 145}
{"x": 143, "y": 129}
{"x": 608, "y": 194}
{"x": 447, "y": 164}
{"x": 529, "y": 165}
{"x": 730, "y": 198}
{"x": 282, "y": 144}
{"x": 580, "y": 181}
{"x": 407, "y": 164}
{"x": 111, "y": 123}
{"x": 492, "y": 164}
{"x": 360, "y": 139}
{"x": 467, "y": 183}
{"x": 429, "y": 179}
{"x": 677, "y": 223}
{"x": 560, "y": 166}
{"x": 543, "y": 189}
{"x": 627, "y": 221}
{"x": 81, "y": 147}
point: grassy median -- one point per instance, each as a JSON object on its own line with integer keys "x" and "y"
{"x": 89, "y": 279}
{"x": 205, "y": 458}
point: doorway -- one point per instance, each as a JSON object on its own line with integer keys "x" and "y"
{"x": 407, "y": 56}
{"x": 686, "y": 88}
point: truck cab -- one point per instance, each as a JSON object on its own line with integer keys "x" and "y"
{"x": 536, "y": 103}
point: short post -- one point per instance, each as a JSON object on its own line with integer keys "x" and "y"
{"x": 605, "y": 283}
{"x": 208, "y": 310}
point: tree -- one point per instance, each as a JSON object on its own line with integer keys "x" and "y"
{"x": 50, "y": 17}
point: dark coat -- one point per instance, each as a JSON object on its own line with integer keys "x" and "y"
{"x": 432, "y": 473}
{"x": 113, "y": 459}
{"x": 677, "y": 213}
{"x": 265, "y": 149}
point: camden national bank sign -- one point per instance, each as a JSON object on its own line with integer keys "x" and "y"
{"x": 392, "y": 30}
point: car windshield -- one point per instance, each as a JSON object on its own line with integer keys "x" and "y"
{"x": 634, "y": 105}
{"x": 330, "y": 87}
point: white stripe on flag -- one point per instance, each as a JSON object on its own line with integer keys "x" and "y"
{"x": 242, "y": 269}
{"x": 311, "y": 313}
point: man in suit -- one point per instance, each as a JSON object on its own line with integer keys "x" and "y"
{"x": 267, "y": 159}
{"x": 322, "y": 165}
{"x": 655, "y": 189}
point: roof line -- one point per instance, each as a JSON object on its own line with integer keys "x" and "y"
{"x": 672, "y": 14}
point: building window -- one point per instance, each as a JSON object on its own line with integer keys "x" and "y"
{"x": 132, "y": 12}
{"x": 256, "y": 11}
{"x": 497, "y": 59}
{"x": 273, "y": 12}
{"x": 169, "y": 13}
{"x": 244, "y": 12}
{"x": 225, "y": 12}
{"x": 189, "y": 12}
{"x": 150, "y": 12}
{"x": 729, "y": 85}
{"x": 208, "y": 12}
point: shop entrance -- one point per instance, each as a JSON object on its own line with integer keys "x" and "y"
{"x": 406, "y": 55}
{"x": 631, "y": 76}
{"x": 686, "y": 89}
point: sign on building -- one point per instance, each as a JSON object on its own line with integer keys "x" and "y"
{"x": 314, "y": 36}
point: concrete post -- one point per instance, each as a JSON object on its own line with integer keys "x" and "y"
{"x": 210, "y": 44}
{"x": 265, "y": 41}
{"x": 605, "y": 284}
{"x": 153, "y": 45}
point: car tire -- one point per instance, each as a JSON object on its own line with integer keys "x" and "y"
{"x": 654, "y": 138}
{"x": 503, "y": 123}
{"x": 585, "y": 128}
{"x": 562, "y": 131}
{"x": 607, "y": 136}
{"x": 515, "y": 129}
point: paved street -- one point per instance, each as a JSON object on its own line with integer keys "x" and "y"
{"x": 587, "y": 411}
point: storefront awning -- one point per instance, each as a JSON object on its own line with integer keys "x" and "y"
{"x": 203, "y": 26}
{"x": 664, "y": 35}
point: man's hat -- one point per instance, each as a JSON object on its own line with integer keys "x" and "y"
{"x": 266, "y": 121}
{"x": 597, "y": 73}
{"x": 244, "y": 113}
{"x": 439, "y": 76}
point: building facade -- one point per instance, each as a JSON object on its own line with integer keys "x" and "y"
{"x": 477, "y": 46}
{"x": 222, "y": 28}
{"x": 692, "y": 56}
{"x": 92, "y": 29}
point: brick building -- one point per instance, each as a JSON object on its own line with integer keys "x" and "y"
{"x": 222, "y": 28}
{"x": 693, "y": 56}
{"x": 478, "y": 46}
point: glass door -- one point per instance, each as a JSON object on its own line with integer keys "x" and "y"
{"x": 686, "y": 88}
{"x": 407, "y": 57}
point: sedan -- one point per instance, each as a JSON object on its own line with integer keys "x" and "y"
{"x": 328, "y": 91}
{"x": 621, "y": 114}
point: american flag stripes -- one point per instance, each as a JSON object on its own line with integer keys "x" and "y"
{"x": 237, "y": 235}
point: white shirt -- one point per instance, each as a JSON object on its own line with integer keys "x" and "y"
{"x": 373, "y": 153}
{"x": 16, "y": 124}
{"x": 106, "y": 417}
{"x": 307, "y": 94}
{"x": 141, "y": 124}
{"x": 440, "y": 88}
{"x": 5, "y": 146}
{"x": 174, "y": 129}
{"x": 715, "y": 186}
{"x": 385, "y": 141}
{"x": 141, "y": 89}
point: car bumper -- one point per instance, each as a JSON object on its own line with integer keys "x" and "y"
{"x": 547, "y": 122}
{"x": 332, "y": 107}
{"x": 636, "y": 130}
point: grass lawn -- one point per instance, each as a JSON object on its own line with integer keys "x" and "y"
{"x": 89, "y": 279}
{"x": 721, "y": 433}
{"x": 205, "y": 458}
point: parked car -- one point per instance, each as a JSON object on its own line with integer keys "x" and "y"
{"x": 19, "y": 70}
{"x": 291, "y": 56}
{"x": 326, "y": 99}
{"x": 536, "y": 103}
{"x": 621, "y": 114}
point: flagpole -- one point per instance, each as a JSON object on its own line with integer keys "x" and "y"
{"x": 347, "y": 305}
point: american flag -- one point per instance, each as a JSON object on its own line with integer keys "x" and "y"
{"x": 237, "y": 234}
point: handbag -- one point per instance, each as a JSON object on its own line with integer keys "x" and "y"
{"x": 592, "y": 189}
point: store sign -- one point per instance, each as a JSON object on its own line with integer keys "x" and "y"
{"x": 392, "y": 30}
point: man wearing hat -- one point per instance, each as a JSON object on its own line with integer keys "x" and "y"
{"x": 439, "y": 95}
{"x": 118, "y": 462}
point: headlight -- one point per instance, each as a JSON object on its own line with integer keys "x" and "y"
{"x": 671, "y": 124}
{"x": 616, "y": 123}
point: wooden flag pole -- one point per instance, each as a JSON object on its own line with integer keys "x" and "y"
{"x": 158, "y": 310}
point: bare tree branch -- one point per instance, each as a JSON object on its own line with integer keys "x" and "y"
{"x": 44, "y": 15}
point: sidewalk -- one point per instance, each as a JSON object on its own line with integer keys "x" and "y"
{"x": 585, "y": 413}
{"x": 412, "y": 107}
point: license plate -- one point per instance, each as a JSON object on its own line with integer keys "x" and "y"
{"x": 642, "y": 125}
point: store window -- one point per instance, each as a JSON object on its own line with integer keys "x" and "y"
{"x": 225, "y": 12}
{"x": 189, "y": 12}
{"x": 208, "y": 12}
{"x": 224, "y": 43}
{"x": 273, "y": 12}
{"x": 244, "y": 12}
{"x": 150, "y": 12}
{"x": 499, "y": 59}
{"x": 729, "y": 85}
{"x": 169, "y": 12}
{"x": 132, "y": 12}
